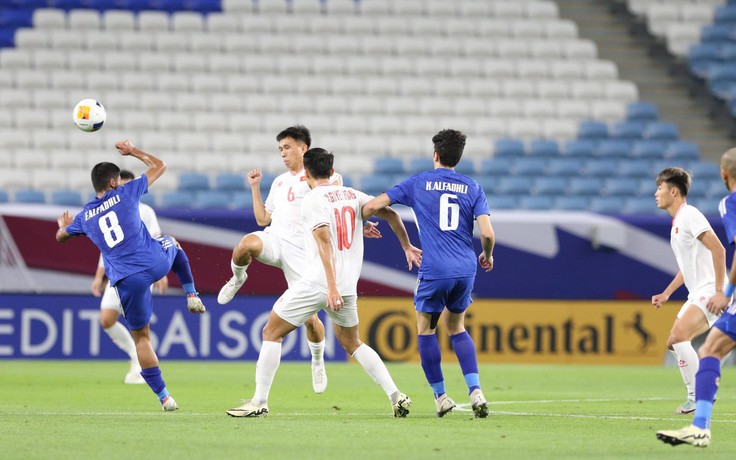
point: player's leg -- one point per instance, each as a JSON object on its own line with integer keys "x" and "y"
{"x": 179, "y": 264}
{"x": 429, "y": 301}
{"x": 346, "y": 331}
{"x": 248, "y": 248}
{"x": 316, "y": 340}
{"x": 691, "y": 322}
{"x": 109, "y": 313}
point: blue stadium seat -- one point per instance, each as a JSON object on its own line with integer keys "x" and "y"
{"x": 502, "y": 201}
{"x": 375, "y": 185}
{"x": 32, "y": 4}
{"x": 213, "y": 199}
{"x": 725, "y": 14}
{"x": 602, "y": 168}
{"x": 102, "y": 5}
{"x": 648, "y": 150}
{"x": 417, "y": 165}
{"x": 716, "y": 34}
{"x": 722, "y": 79}
{"x": 585, "y": 186}
{"x": 266, "y": 181}
{"x": 3, "y": 196}
{"x": 550, "y": 186}
{"x": 16, "y": 17}
{"x": 204, "y": 6}
{"x": 229, "y": 182}
{"x": 635, "y": 168}
{"x": 7, "y": 37}
{"x": 568, "y": 167}
{"x": 579, "y": 149}
{"x": 682, "y": 151}
{"x": 241, "y": 200}
{"x": 640, "y": 205}
{"x": 614, "y": 149}
{"x": 661, "y": 131}
{"x": 149, "y": 199}
{"x": 647, "y": 186}
{"x": 716, "y": 189}
{"x": 529, "y": 166}
{"x": 632, "y": 130}
{"x": 702, "y": 170}
{"x": 397, "y": 178}
{"x": 66, "y": 198}
{"x": 29, "y": 196}
{"x": 708, "y": 206}
{"x": 607, "y": 204}
{"x": 593, "y": 130}
{"x": 621, "y": 186}
{"x": 466, "y": 166}
{"x": 496, "y": 167}
{"x": 513, "y": 185}
{"x": 178, "y": 199}
{"x": 347, "y": 181}
{"x": 488, "y": 183}
{"x": 572, "y": 203}
{"x": 67, "y": 4}
{"x": 544, "y": 149}
{"x": 193, "y": 182}
{"x": 388, "y": 165}
{"x": 134, "y": 5}
{"x": 702, "y": 56}
{"x": 642, "y": 111}
{"x": 168, "y": 5}
{"x": 698, "y": 189}
{"x": 509, "y": 148}
{"x": 539, "y": 202}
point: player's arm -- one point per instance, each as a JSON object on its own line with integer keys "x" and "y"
{"x": 413, "y": 254}
{"x": 487, "y": 241}
{"x": 156, "y": 167}
{"x": 98, "y": 283}
{"x": 374, "y": 205}
{"x": 659, "y": 299}
{"x": 322, "y": 236}
{"x": 719, "y": 301}
{"x": 64, "y": 221}
{"x": 263, "y": 217}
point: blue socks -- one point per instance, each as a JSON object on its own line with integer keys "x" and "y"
{"x": 429, "y": 351}
{"x": 464, "y": 348}
{"x": 152, "y": 376}
{"x": 183, "y": 271}
{"x": 706, "y": 386}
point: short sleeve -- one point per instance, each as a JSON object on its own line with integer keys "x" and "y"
{"x": 728, "y": 215}
{"x": 480, "y": 207}
{"x": 363, "y": 198}
{"x": 76, "y": 227}
{"x": 136, "y": 188}
{"x": 315, "y": 212}
{"x": 269, "y": 199}
{"x": 402, "y": 193}
{"x": 696, "y": 223}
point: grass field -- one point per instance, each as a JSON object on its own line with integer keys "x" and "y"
{"x": 80, "y": 410}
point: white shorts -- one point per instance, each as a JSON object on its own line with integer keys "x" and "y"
{"x": 110, "y": 299}
{"x": 281, "y": 254}
{"x": 700, "y": 299}
{"x": 302, "y": 300}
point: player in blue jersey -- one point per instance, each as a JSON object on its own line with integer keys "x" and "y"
{"x": 722, "y": 337}
{"x": 445, "y": 204}
{"x": 133, "y": 259}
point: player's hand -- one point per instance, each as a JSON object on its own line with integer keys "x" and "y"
{"x": 659, "y": 299}
{"x": 124, "y": 147}
{"x": 370, "y": 230}
{"x": 64, "y": 220}
{"x": 254, "y": 177}
{"x": 413, "y": 256}
{"x": 486, "y": 264}
{"x": 98, "y": 284}
{"x": 334, "y": 299}
{"x": 161, "y": 285}
{"x": 718, "y": 303}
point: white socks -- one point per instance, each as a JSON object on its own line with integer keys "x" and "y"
{"x": 268, "y": 363}
{"x": 238, "y": 271}
{"x": 317, "y": 349}
{"x": 688, "y": 362}
{"x": 371, "y": 362}
{"x": 121, "y": 337}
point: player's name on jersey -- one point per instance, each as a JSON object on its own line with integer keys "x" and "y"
{"x": 339, "y": 195}
{"x": 447, "y": 187}
{"x": 107, "y": 204}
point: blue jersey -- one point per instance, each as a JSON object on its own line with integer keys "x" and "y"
{"x": 445, "y": 204}
{"x": 727, "y": 208}
{"x": 114, "y": 225}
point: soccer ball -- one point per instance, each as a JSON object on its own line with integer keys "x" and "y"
{"x": 89, "y": 115}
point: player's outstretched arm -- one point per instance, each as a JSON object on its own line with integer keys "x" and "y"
{"x": 156, "y": 167}
{"x": 413, "y": 254}
{"x": 659, "y": 299}
{"x": 324, "y": 246}
{"x": 374, "y": 205}
{"x": 64, "y": 221}
{"x": 262, "y": 216}
{"x": 487, "y": 241}
{"x": 720, "y": 300}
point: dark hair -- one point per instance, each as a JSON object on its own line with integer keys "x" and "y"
{"x": 126, "y": 175}
{"x": 102, "y": 173}
{"x": 449, "y": 145}
{"x": 299, "y": 133}
{"x": 676, "y": 177}
{"x": 319, "y": 163}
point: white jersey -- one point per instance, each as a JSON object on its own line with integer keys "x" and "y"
{"x": 339, "y": 208}
{"x": 148, "y": 216}
{"x": 693, "y": 258}
{"x": 284, "y": 203}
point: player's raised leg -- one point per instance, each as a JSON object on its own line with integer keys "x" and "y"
{"x": 182, "y": 269}
{"x": 690, "y": 323}
{"x": 249, "y": 247}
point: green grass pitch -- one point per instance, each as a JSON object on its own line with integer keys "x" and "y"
{"x": 82, "y": 410}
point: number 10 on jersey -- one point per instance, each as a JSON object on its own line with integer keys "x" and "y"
{"x": 345, "y": 227}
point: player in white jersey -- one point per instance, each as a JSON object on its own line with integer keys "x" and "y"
{"x": 110, "y": 309}
{"x": 332, "y": 221}
{"x": 281, "y": 244}
{"x": 701, "y": 259}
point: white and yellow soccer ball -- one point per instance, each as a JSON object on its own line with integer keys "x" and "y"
{"x": 89, "y": 115}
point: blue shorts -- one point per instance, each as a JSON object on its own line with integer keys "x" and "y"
{"x": 134, "y": 291}
{"x": 432, "y": 296}
{"x": 726, "y": 323}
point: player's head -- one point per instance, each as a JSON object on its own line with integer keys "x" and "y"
{"x": 105, "y": 176}
{"x": 293, "y": 142}
{"x": 318, "y": 164}
{"x": 672, "y": 184}
{"x": 126, "y": 176}
{"x": 448, "y": 147}
{"x": 728, "y": 168}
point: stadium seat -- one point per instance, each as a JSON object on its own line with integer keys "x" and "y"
{"x": 641, "y": 112}
{"x": 620, "y": 186}
{"x": 640, "y": 205}
{"x": 529, "y": 166}
{"x": 550, "y": 186}
{"x": 193, "y": 182}
{"x": 512, "y": 185}
{"x": 29, "y": 196}
{"x": 502, "y": 201}
{"x": 509, "y": 148}
{"x": 600, "y": 167}
{"x": 698, "y": 189}
{"x": 66, "y": 198}
{"x": 375, "y": 185}
{"x": 177, "y": 199}
{"x": 212, "y": 199}
{"x": 388, "y": 166}
{"x": 3, "y": 196}
{"x": 565, "y": 167}
{"x": 544, "y": 149}
{"x": 682, "y": 151}
{"x": 537, "y": 203}
{"x": 648, "y": 150}
{"x": 631, "y": 130}
{"x": 607, "y": 204}
{"x": 704, "y": 170}
{"x": 571, "y": 203}
{"x": 578, "y": 149}
{"x": 593, "y": 130}
{"x": 417, "y": 165}
{"x": 661, "y": 131}
{"x": 496, "y": 167}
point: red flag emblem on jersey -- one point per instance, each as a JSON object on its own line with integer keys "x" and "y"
{"x": 303, "y": 178}
{"x": 677, "y": 229}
